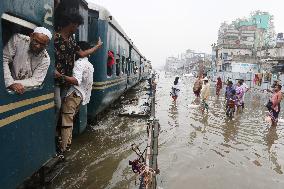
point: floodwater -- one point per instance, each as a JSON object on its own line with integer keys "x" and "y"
{"x": 195, "y": 151}
{"x": 210, "y": 151}
{"x": 99, "y": 158}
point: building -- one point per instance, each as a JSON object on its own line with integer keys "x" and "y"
{"x": 240, "y": 41}
{"x": 280, "y": 40}
{"x": 172, "y": 64}
{"x": 189, "y": 61}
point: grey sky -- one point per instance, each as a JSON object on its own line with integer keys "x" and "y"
{"x": 162, "y": 28}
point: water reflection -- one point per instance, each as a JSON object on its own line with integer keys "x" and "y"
{"x": 230, "y": 129}
{"x": 173, "y": 114}
{"x": 244, "y": 153}
{"x": 271, "y": 138}
{"x": 195, "y": 151}
{"x": 99, "y": 157}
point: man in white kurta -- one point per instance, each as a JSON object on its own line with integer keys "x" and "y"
{"x": 25, "y": 60}
{"x": 205, "y": 92}
{"x": 79, "y": 93}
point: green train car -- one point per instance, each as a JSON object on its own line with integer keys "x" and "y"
{"x": 27, "y": 125}
{"x": 129, "y": 61}
{"x": 27, "y": 121}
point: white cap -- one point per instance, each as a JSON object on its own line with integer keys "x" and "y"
{"x": 44, "y": 31}
{"x": 205, "y": 79}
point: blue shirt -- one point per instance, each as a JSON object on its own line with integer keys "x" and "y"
{"x": 229, "y": 91}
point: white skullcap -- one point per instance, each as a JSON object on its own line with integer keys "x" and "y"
{"x": 44, "y": 31}
{"x": 205, "y": 79}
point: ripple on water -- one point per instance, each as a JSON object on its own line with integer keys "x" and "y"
{"x": 242, "y": 147}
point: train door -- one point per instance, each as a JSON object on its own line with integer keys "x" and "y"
{"x": 93, "y": 26}
{"x": 92, "y": 37}
{"x": 27, "y": 125}
{"x": 87, "y": 32}
{"x": 129, "y": 67}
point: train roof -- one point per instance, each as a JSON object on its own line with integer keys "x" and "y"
{"x": 104, "y": 14}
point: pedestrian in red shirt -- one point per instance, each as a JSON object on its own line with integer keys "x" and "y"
{"x": 218, "y": 86}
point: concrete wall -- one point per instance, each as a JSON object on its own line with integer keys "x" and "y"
{"x": 272, "y": 53}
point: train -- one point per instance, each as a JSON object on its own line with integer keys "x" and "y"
{"x": 27, "y": 121}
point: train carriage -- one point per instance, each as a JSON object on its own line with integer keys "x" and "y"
{"x": 108, "y": 88}
{"x": 27, "y": 121}
{"x": 27, "y": 126}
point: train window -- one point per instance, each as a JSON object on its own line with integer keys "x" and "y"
{"x": 135, "y": 68}
{"x": 123, "y": 64}
{"x": 117, "y": 60}
{"x": 127, "y": 66}
{"x": 18, "y": 77}
{"x": 12, "y": 25}
{"x": 110, "y": 63}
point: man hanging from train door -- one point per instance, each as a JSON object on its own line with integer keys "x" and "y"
{"x": 25, "y": 60}
{"x": 81, "y": 83}
{"x": 65, "y": 50}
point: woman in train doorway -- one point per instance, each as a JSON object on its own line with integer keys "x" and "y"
{"x": 175, "y": 89}
{"x": 110, "y": 63}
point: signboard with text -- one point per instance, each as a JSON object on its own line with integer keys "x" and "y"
{"x": 244, "y": 67}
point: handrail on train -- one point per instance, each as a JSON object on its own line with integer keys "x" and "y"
{"x": 18, "y": 21}
{"x": 27, "y": 89}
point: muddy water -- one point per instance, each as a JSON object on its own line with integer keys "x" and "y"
{"x": 210, "y": 151}
{"x": 195, "y": 151}
{"x": 99, "y": 157}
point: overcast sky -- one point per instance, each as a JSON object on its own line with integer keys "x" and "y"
{"x": 162, "y": 28}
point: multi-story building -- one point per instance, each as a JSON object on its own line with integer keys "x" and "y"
{"x": 280, "y": 40}
{"x": 190, "y": 61}
{"x": 241, "y": 40}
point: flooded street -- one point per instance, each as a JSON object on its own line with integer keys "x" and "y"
{"x": 195, "y": 151}
{"x": 210, "y": 151}
{"x": 99, "y": 157}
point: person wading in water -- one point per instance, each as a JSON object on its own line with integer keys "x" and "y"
{"x": 175, "y": 89}
{"x": 205, "y": 92}
{"x": 197, "y": 87}
{"x": 240, "y": 93}
{"x": 273, "y": 105}
{"x": 218, "y": 86}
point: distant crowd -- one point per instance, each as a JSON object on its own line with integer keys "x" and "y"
{"x": 234, "y": 96}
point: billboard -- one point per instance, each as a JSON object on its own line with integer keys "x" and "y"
{"x": 244, "y": 67}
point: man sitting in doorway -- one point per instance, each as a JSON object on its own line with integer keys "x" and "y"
{"x": 25, "y": 60}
